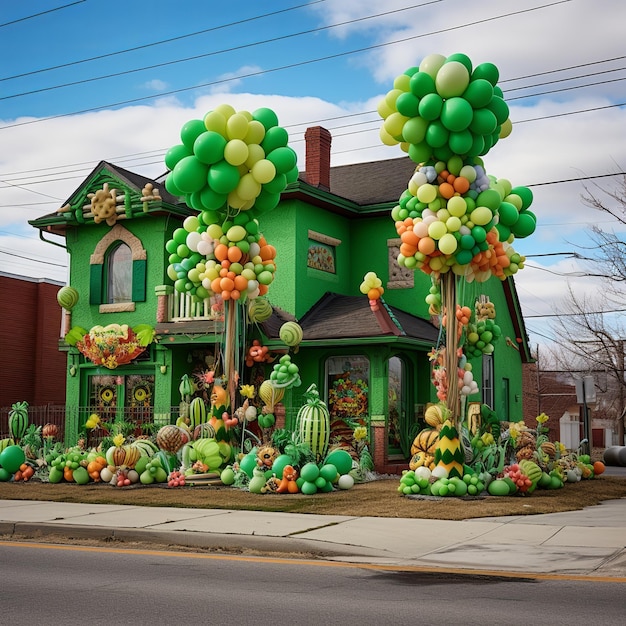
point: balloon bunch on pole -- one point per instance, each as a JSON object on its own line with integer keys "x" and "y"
{"x": 447, "y": 114}
{"x": 454, "y": 220}
{"x": 231, "y": 167}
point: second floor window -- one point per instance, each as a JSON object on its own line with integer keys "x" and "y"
{"x": 119, "y": 275}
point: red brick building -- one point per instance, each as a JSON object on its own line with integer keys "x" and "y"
{"x": 31, "y": 366}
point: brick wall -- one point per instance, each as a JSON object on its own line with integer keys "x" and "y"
{"x": 31, "y": 366}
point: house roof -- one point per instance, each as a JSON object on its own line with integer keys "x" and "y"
{"x": 336, "y": 316}
{"x": 372, "y": 182}
{"x": 58, "y": 220}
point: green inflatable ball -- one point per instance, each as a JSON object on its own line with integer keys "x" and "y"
{"x": 341, "y": 460}
{"x": 4, "y": 475}
{"x": 310, "y": 472}
{"x": 11, "y": 458}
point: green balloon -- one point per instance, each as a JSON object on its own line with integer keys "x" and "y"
{"x": 276, "y": 137}
{"x": 489, "y": 198}
{"x": 484, "y": 122}
{"x": 213, "y": 201}
{"x": 504, "y": 232}
{"x": 223, "y": 177}
{"x": 407, "y": 104}
{"x": 209, "y": 147}
{"x": 463, "y": 257}
{"x": 422, "y": 84}
{"x": 284, "y": 159}
{"x": 414, "y": 130}
{"x": 461, "y": 142}
{"x": 436, "y": 134}
{"x": 525, "y": 194}
{"x": 525, "y": 225}
{"x": 430, "y": 106}
{"x": 266, "y": 201}
{"x": 11, "y": 458}
{"x": 191, "y": 131}
{"x": 5, "y": 476}
{"x": 444, "y": 153}
{"x": 266, "y": 116}
{"x": 171, "y": 187}
{"x": 499, "y": 108}
{"x": 478, "y": 145}
{"x": 190, "y": 174}
{"x": 479, "y": 93}
{"x": 292, "y": 174}
{"x": 456, "y": 114}
{"x": 479, "y": 234}
{"x": 175, "y": 154}
{"x": 419, "y": 152}
{"x": 488, "y": 71}
{"x": 461, "y": 58}
{"x": 508, "y": 214}
{"x": 277, "y": 185}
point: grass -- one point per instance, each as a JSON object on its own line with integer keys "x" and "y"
{"x": 377, "y": 498}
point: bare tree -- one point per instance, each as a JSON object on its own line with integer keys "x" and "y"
{"x": 589, "y": 330}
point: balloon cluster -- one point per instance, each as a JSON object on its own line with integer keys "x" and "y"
{"x": 231, "y": 259}
{"x": 372, "y": 288}
{"x": 481, "y": 337}
{"x": 445, "y": 107}
{"x": 235, "y": 159}
{"x": 231, "y": 167}
{"x": 454, "y": 217}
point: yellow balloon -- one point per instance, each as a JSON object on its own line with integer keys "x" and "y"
{"x": 402, "y": 82}
{"x": 384, "y": 110}
{"x": 236, "y": 126}
{"x": 394, "y": 123}
{"x": 386, "y": 138}
{"x": 236, "y": 152}
{"x": 255, "y": 154}
{"x": 246, "y": 114}
{"x": 225, "y": 109}
{"x": 255, "y": 133}
{"x": 234, "y": 200}
{"x": 506, "y": 129}
{"x": 263, "y": 171}
{"x": 392, "y": 96}
{"x": 447, "y": 244}
{"x": 216, "y": 122}
{"x": 248, "y": 188}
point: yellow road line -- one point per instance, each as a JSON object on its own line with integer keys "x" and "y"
{"x": 318, "y": 563}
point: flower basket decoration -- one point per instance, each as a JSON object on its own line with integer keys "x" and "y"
{"x": 115, "y": 344}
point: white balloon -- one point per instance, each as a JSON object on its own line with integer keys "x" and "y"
{"x": 192, "y": 241}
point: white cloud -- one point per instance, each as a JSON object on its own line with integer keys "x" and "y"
{"x": 155, "y": 85}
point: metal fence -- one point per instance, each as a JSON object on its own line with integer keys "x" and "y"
{"x": 131, "y": 422}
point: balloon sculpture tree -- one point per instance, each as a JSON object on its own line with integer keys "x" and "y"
{"x": 454, "y": 220}
{"x": 231, "y": 167}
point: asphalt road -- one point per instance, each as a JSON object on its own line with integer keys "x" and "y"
{"x": 67, "y": 585}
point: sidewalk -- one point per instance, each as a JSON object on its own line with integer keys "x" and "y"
{"x": 591, "y": 542}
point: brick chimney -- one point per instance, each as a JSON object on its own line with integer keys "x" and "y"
{"x": 317, "y": 157}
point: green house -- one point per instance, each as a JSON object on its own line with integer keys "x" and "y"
{"x": 331, "y": 228}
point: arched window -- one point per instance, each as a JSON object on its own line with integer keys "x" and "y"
{"x": 119, "y": 274}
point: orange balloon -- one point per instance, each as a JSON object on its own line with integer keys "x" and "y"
{"x": 223, "y": 271}
{"x": 215, "y": 285}
{"x": 407, "y": 250}
{"x": 263, "y": 289}
{"x": 267, "y": 252}
{"x": 446, "y": 190}
{"x": 234, "y": 254}
{"x": 225, "y": 295}
{"x": 373, "y": 294}
{"x": 410, "y": 238}
{"x": 426, "y": 245}
{"x": 227, "y": 284}
{"x": 235, "y": 294}
{"x": 241, "y": 283}
{"x": 221, "y": 252}
{"x": 461, "y": 184}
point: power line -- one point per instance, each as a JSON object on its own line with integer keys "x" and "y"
{"x": 288, "y": 66}
{"x": 161, "y": 42}
{"x": 30, "y": 17}
{"x": 214, "y": 53}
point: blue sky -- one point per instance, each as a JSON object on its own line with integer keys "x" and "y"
{"x": 87, "y": 81}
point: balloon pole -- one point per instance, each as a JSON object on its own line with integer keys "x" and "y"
{"x": 230, "y": 343}
{"x": 448, "y": 280}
